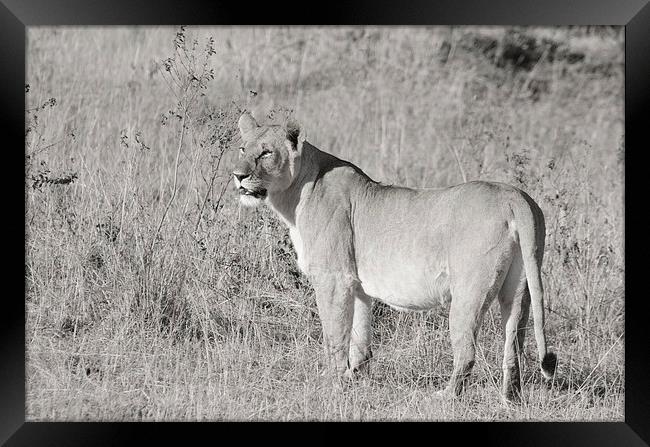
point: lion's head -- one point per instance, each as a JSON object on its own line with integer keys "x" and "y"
{"x": 269, "y": 161}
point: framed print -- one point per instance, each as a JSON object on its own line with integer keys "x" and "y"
{"x": 379, "y": 213}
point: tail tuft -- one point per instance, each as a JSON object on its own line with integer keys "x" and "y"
{"x": 548, "y": 365}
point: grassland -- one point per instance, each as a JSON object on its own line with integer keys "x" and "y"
{"x": 150, "y": 295}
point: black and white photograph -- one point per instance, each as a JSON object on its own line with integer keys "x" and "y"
{"x": 324, "y": 223}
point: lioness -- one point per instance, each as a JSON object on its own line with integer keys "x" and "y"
{"x": 357, "y": 239}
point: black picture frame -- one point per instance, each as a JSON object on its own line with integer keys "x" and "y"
{"x": 16, "y": 15}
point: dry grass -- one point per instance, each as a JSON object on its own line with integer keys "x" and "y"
{"x": 152, "y": 296}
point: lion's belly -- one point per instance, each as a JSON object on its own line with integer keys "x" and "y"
{"x": 414, "y": 288}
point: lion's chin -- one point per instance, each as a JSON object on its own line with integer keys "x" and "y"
{"x": 250, "y": 201}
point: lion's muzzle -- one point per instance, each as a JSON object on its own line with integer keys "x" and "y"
{"x": 256, "y": 192}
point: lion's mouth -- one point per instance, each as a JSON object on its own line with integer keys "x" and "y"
{"x": 257, "y": 193}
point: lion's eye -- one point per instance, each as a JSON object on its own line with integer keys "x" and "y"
{"x": 265, "y": 153}
{"x": 242, "y": 150}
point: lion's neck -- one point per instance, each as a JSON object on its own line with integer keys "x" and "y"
{"x": 287, "y": 202}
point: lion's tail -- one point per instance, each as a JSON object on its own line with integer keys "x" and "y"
{"x": 529, "y": 218}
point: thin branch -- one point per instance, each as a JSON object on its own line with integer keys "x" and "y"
{"x": 175, "y": 186}
{"x": 460, "y": 166}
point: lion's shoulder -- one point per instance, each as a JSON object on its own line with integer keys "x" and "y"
{"x": 333, "y": 176}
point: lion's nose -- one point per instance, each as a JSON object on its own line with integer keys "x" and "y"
{"x": 240, "y": 177}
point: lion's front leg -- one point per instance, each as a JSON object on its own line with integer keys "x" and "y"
{"x": 361, "y": 335}
{"x": 335, "y": 301}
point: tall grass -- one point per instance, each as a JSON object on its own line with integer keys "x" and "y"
{"x": 152, "y": 296}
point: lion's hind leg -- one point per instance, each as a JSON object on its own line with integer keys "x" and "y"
{"x": 514, "y": 301}
{"x": 473, "y": 288}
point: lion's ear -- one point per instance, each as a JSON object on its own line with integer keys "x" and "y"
{"x": 295, "y": 135}
{"x": 247, "y": 126}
